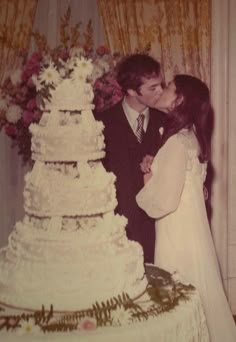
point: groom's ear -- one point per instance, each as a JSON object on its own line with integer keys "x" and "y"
{"x": 131, "y": 92}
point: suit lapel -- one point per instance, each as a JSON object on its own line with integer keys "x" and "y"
{"x": 125, "y": 127}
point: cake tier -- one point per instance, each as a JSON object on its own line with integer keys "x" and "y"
{"x": 73, "y": 189}
{"x": 71, "y": 94}
{"x": 67, "y": 136}
{"x": 60, "y": 267}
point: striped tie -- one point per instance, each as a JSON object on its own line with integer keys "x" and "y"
{"x": 140, "y": 130}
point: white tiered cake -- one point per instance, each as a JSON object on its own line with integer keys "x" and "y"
{"x": 71, "y": 253}
{"x": 70, "y": 250}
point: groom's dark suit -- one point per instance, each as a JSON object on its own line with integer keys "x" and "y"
{"x": 123, "y": 156}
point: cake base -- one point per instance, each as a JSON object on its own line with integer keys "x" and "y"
{"x": 168, "y": 311}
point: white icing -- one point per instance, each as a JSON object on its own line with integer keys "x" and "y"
{"x": 71, "y": 95}
{"x": 76, "y": 137}
{"x": 60, "y": 267}
{"x": 87, "y": 191}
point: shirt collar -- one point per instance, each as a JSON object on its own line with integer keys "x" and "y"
{"x": 132, "y": 114}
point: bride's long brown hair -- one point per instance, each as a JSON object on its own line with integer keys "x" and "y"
{"x": 194, "y": 112}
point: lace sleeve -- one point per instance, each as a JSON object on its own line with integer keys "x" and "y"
{"x": 161, "y": 194}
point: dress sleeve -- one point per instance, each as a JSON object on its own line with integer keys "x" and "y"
{"x": 161, "y": 194}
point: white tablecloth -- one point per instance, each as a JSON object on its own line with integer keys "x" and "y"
{"x": 185, "y": 323}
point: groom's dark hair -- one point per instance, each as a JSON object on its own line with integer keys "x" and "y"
{"x": 134, "y": 68}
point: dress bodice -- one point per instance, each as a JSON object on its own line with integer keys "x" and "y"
{"x": 176, "y": 173}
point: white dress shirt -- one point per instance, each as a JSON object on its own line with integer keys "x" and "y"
{"x": 132, "y": 116}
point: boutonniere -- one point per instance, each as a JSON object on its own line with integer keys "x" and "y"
{"x": 161, "y": 130}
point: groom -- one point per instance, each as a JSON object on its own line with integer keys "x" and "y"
{"x": 132, "y": 130}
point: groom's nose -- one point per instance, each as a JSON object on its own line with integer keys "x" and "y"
{"x": 159, "y": 90}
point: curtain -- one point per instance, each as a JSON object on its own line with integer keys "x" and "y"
{"x": 178, "y": 32}
{"x": 16, "y": 20}
{"x": 50, "y": 12}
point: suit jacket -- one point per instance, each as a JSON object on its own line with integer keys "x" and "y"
{"x": 123, "y": 156}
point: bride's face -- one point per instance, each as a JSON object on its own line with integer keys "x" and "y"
{"x": 169, "y": 99}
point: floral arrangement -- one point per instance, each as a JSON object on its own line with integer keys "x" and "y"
{"x": 21, "y": 96}
{"x": 164, "y": 292}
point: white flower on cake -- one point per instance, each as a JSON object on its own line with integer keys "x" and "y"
{"x": 28, "y": 327}
{"x": 83, "y": 68}
{"x": 120, "y": 316}
{"x": 13, "y": 114}
{"x": 50, "y": 75}
{"x": 36, "y": 82}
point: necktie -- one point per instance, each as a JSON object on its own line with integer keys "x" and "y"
{"x": 140, "y": 130}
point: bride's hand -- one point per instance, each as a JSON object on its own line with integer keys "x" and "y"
{"x": 146, "y": 163}
{"x": 147, "y": 176}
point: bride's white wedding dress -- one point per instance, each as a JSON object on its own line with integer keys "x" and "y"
{"x": 174, "y": 196}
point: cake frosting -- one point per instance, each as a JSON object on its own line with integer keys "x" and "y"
{"x": 70, "y": 250}
{"x": 77, "y": 137}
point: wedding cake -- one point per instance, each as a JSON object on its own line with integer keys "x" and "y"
{"x": 70, "y": 250}
{"x": 68, "y": 267}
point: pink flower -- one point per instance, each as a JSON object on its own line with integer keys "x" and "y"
{"x": 37, "y": 115}
{"x": 11, "y": 131}
{"x": 31, "y": 104}
{"x": 98, "y": 84}
{"x": 99, "y": 103}
{"x": 63, "y": 54}
{"x": 116, "y": 98}
{"x": 2, "y": 320}
{"x": 12, "y": 321}
{"x": 23, "y": 91}
{"x": 30, "y": 83}
{"x": 102, "y": 50}
{"x": 87, "y": 323}
{"x": 36, "y": 56}
{"x": 27, "y": 117}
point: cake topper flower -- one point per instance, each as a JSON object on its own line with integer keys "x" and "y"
{"x": 49, "y": 75}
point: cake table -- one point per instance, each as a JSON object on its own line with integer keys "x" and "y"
{"x": 169, "y": 311}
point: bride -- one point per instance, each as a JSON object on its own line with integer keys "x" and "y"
{"x": 173, "y": 195}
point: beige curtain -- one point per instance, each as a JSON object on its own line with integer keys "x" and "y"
{"x": 178, "y": 32}
{"x": 16, "y": 21}
{"x": 223, "y": 80}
